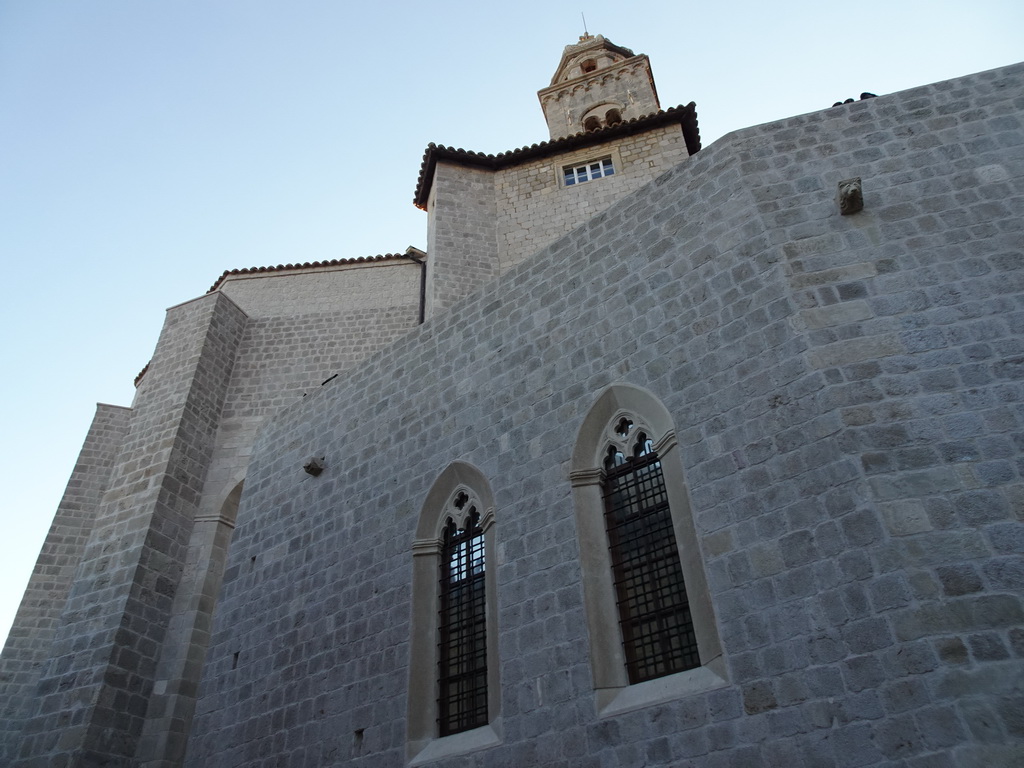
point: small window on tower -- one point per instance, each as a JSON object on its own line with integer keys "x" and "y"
{"x": 592, "y": 123}
{"x": 588, "y": 66}
{"x": 595, "y": 169}
{"x": 613, "y": 117}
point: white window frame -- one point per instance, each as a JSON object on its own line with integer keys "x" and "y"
{"x": 591, "y": 170}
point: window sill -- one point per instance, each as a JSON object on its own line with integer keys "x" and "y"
{"x": 616, "y": 701}
{"x": 458, "y": 744}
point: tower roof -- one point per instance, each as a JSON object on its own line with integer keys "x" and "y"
{"x": 586, "y": 47}
{"x": 597, "y": 83}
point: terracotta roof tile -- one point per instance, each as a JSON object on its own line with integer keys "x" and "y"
{"x": 307, "y": 265}
{"x": 141, "y": 373}
{"x": 410, "y": 252}
{"x": 685, "y": 116}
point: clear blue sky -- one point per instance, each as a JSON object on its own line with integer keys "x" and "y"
{"x": 145, "y": 147}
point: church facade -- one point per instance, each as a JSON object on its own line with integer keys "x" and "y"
{"x": 658, "y": 455}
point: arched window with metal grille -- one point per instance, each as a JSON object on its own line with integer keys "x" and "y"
{"x": 654, "y": 612}
{"x": 454, "y": 694}
{"x": 640, "y": 557}
{"x": 462, "y": 626}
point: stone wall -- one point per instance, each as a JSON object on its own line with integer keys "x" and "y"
{"x": 372, "y": 285}
{"x": 291, "y": 346}
{"x": 304, "y": 327}
{"x": 28, "y": 644}
{"x": 482, "y": 223}
{"x": 846, "y": 392}
{"x": 298, "y": 329}
{"x": 535, "y": 208}
{"x": 92, "y": 696}
{"x": 461, "y": 235}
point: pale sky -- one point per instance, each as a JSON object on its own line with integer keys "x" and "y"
{"x": 145, "y": 147}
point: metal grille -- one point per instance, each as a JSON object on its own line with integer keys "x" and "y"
{"x": 654, "y": 614}
{"x": 462, "y": 645}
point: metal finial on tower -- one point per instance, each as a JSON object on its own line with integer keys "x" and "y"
{"x": 586, "y": 34}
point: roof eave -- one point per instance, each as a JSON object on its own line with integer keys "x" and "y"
{"x": 685, "y": 116}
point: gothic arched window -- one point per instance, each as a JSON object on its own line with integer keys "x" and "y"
{"x": 462, "y": 624}
{"x": 454, "y": 692}
{"x": 654, "y": 613}
{"x": 640, "y": 557}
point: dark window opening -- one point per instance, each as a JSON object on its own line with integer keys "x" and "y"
{"x": 588, "y": 66}
{"x": 591, "y": 124}
{"x": 462, "y": 643}
{"x": 654, "y": 614}
{"x": 612, "y": 117}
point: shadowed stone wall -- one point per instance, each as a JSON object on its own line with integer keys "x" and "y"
{"x": 28, "y": 644}
{"x": 91, "y": 700}
{"x": 847, "y": 396}
{"x": 199, "y": 403}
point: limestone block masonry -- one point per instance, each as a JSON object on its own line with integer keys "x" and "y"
{"x": 125, "y": 588}
{"x": 482, "y": 223}
{"x": 91, "y": 699}
{"x": 841, "y": 398}
{"x": 847, "y": 396}
{"x": 462, "y": 226}
{"x": 536, "y": 208}
{"x": 29, "y": 642}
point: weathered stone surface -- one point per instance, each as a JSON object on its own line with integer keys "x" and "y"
{"x": 846, "y": 590}
{"x": 846, "y": 395}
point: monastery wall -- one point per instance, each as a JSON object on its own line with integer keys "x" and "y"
{"x": 535, "y": 208}
{"x": 461, "y": 235}
{"x": 846, "y": 393}
{"x": 202, "y": 399}
{"x": 28, "y": 644}
{"x": 91, "y": 699}
{"x": 303, "y": 328}
{"x": 482, "y": 222}
{"x": 380, "y": 286}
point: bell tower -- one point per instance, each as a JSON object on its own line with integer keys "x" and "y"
{"x": 597, "y": 84}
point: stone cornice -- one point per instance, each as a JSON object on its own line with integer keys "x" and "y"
{"x": 588, "y": 80}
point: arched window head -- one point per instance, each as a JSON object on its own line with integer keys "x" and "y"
{"x": 454, "y": 699}
{"x": 601, "y": 115}
{"x": 588, "y": 66}
{"x": 648, "y": 608}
